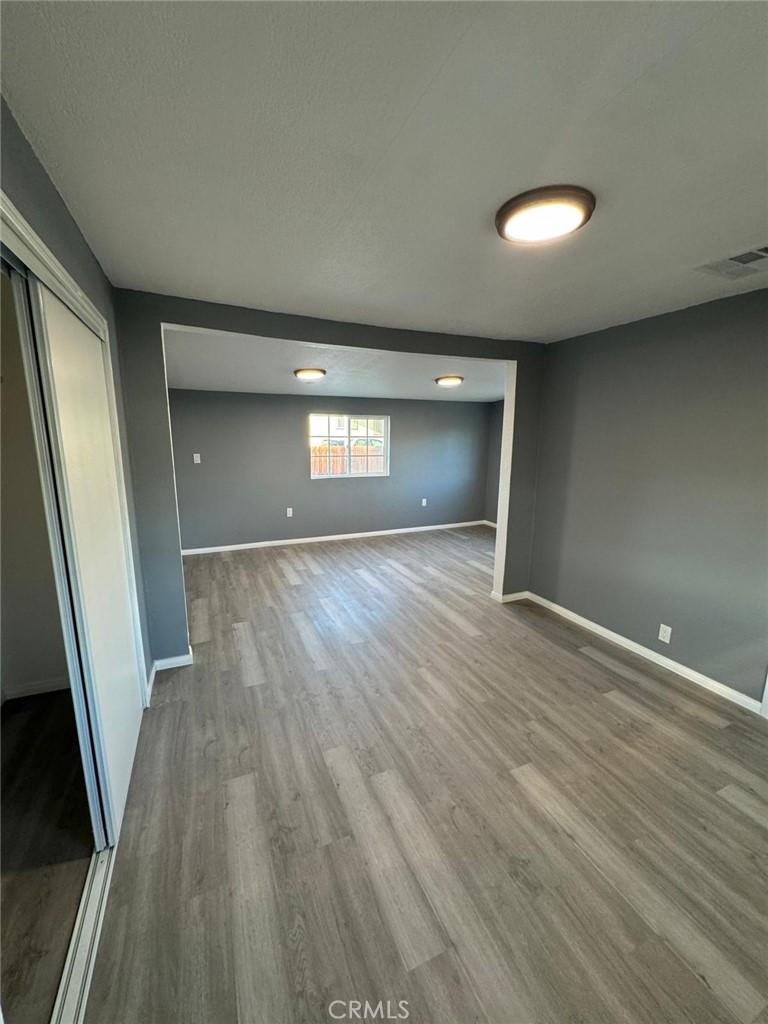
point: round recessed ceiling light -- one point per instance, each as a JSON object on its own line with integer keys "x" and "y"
{"x": 309, "y": 374}
{"x": 545, "y": 213}
{"x": 450, "y": 381}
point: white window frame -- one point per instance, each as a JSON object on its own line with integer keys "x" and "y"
{"x": 349, "y": 417}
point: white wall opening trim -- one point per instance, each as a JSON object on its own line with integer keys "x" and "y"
{"x": 505, "y": 477}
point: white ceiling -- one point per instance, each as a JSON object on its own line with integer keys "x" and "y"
{"x": 345, "y": 160}
{"x": 218, "y": 361}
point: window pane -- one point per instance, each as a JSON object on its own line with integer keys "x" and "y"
{"x": 338, "y": 456}
{"x": 318, "y": 425}
{"x": 376, "y": 456}
{"x": 319, "y": 452}
{"x": 357, "y": 427}
{"x": 376, "y": 428}
{"x": 338, "y": 426}
{"x": 359, "y": 465}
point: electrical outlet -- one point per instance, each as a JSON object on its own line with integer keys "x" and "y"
{"x": 665, "y": 633}
{"x": 423, "y": 502}
{"x": 196, "y": 457}
{"x": 289, "y": 513}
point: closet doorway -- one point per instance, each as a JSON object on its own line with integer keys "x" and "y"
{"x": 47, "y": 837}
{"x": 73, "y": 667}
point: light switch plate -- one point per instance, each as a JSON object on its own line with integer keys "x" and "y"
{"x": 196, "y": 457}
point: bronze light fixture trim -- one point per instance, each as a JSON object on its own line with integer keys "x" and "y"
{"x": 544, "y": 214}
{"x": 450, "y": 380}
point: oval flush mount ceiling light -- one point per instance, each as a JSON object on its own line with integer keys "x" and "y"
{"x": 545, "y": 213}
{"x": 450, "y": 381}
{"x": 309, "y": 374}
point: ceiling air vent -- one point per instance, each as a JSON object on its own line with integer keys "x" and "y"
{"x": 754, "y": 261}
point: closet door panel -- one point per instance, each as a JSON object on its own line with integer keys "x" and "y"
{"x": 74, "y": 368}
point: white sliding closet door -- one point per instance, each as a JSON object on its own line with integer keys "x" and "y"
{"x": 74, "y": 367}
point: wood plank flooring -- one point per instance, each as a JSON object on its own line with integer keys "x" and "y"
{"x": 376, "y": 784}
{"x": 47, "y": 844}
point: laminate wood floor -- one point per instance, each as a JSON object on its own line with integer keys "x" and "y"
{"x": 377, "y": 784}
{"x": 47, "y": 844}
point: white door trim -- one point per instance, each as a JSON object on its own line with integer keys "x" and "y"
{"x": 26, "y": 244}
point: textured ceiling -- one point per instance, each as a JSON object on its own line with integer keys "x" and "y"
{"x": 345, "y": 160}
{"x": 217, "y": 361}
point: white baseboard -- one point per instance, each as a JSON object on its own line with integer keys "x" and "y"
{"x": 521, "y": 595}
{"x": 37, "y": 686}
{"x": 334, "y": 536}
{"x": 487, "y": 522}
{"x": 644, "y": 652}
{"x": 163, "y": 663}
{"x": 160, "y": 666}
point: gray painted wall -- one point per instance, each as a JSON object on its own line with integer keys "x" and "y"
{"x": 653, "y": 487}
{"x": 32, "y": 642}
{"x": 495, "y": 422}
{"x": 652, "y": 479}
{"x": 255, "y": 463}
{"x": 143, "y": 405}
{"x": 29, "y": 188}
{"x": 140, "y": 316}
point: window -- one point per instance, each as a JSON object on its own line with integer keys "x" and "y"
{"x": 348, "y": 446}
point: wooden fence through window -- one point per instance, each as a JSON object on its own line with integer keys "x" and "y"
{"x": 332, "y": 460}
